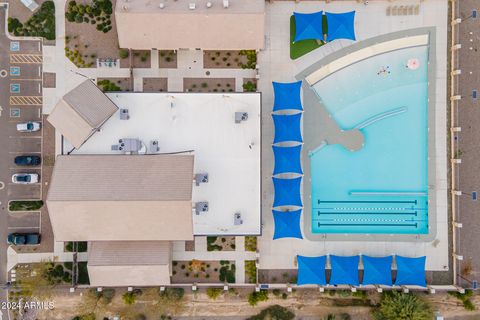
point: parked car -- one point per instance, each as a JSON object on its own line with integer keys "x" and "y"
{"x": 27, "y": 160}
{"x": 19, "y": 239}
{"x": 25, "y": 178}
{"x": 29, "y": 126}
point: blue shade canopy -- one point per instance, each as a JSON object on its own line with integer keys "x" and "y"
{"x": 340, "y": 25}
{"x": 410, "y": 271}
{"x": 287, "y": 160}
{"x": 377, "y": 270}
{"x": 344, "y": 270}
{"x": 287, "y": 96}
{"x": 308, "y": 26}
{"x": 287, "y": 224}
{"x": 287, "y": 192}
{"x": 287, "y": 128}
{"x": 311, "y": 270}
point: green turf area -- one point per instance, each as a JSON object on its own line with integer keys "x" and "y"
{"x": 303, "y": 47}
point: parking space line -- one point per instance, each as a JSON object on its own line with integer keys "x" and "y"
{"x": 25, "y": 58}
{"x": 25, "y": 137}
{"x": 39, "y": 71}
{"x": 21, "y": 152}
{"x": 20, "y": 184}
{"x": 28, "y": 227}
{"x": 26, "y": 100}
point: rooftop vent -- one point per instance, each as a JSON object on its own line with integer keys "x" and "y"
{"x": 225, "y": 4}
{"x": 201, "y": 178}
{"x": 153, "y": 147}
{"x": 124, "y": 114}
{"x": 237, "y": 219}
{"x": 125, "y": 7}
{"x": 201, "y": 207}
{"x": 161, "y": 5}
{"x": 191, "y": 6}
{"x": 209, "y": 4}
{"x": 240, "y": 116}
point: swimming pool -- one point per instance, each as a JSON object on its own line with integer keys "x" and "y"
{"x": 383, "y": 187}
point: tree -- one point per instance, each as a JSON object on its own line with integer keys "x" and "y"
{"x": 402, "y": 306}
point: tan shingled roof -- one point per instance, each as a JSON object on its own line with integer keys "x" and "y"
{"x": 129, "y": 253}
{"x": 121, "y": 197}
{"x": 240, "y": 26}
{"x": 81, "y": 112}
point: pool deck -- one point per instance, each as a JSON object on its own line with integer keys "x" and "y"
{"x": 314, "y": 130}
{"x": 276, "y": 65}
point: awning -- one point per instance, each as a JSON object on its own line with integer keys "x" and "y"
{"x": 377, "y": 270}
{"x": 287, "y": 224}
{"x": 287, "y": 160}
{"x": 287, "y": 128}
{"x": 344, "y": 270}
{"x": 287, "y": 96}
{"x": 410, "y": 271}
{"x": 311, "y": 270}
{"x": 308, "y": 26}
{"x": 340, "y": 25}
{"x": 287, "y": 192}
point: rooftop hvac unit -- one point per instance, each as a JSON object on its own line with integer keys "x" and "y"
{"x": 240, "y": 116}
{"x": 237, "y": 219}
{"x": 161, "y": 5}
{"x": 191, "y": 6}
{"x": 201, "y": 178}
{"x": 201, "y": 207}
{"x": 225, "y": 4}
{"x": 209, "y": 4}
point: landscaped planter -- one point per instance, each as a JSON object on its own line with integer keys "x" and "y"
{"x": 25, "y": 205}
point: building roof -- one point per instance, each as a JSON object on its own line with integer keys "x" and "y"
{"x": 81, "y": 112}
{"x": 121, "y": 197}
{"x": 129, "y": 263}
{"x": 240, "y": 26}
{"x": 129, "y": 253}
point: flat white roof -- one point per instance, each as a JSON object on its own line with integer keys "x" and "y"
{"x": 203, "y": 124}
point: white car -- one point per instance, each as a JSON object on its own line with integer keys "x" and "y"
{"x": 25, "y": 178}
{"x": 29, "y": 126}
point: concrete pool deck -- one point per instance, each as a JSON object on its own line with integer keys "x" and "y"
{"x": 276, "y": 65}
{"x": 313, "y": 130}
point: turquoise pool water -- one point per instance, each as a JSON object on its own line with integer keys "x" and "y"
{"x": 383, "y": 187}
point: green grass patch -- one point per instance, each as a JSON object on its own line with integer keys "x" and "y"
{"x": 211, "y": 245}
{"x": 21, "y": 205}
{"x": 301, "y": 48}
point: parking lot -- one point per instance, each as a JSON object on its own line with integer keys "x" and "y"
{"x": 21, "y": 76}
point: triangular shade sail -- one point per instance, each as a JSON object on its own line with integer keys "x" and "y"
{"x": 287, "y": 160}
{"x": 344, "y": 270}
{"x": 377, "y": 270}
{"x": 287, "y": 96}
{"x": 287, "y": 224}
{"x": 308, "y": 26}
{"x": 287, "y": 192}
{"x": 410, "y": 271}
{"x": 311, "y": 270}
{"x": 287, "y": 128}
{"x": 340, "y": 25}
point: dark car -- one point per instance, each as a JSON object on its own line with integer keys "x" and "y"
{"x": 21, "y": 239}
{"x": 27, "y": 160}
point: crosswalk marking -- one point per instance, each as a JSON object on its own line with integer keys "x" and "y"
{"x": 25, "y": 58}
{"x": 26, "y": 100}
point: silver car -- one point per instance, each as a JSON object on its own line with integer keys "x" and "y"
{"x": 25, "y": 178}
{"x": 29, "y": 126}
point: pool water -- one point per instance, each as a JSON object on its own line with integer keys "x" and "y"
{"x": 383, "y": 187}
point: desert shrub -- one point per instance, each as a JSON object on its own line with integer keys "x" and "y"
{"x": 255, "y": 297}
{"x": 214, "y": 293}
{"x": 402, "y": 306}
{"x": 274, "y": 312}
{"x": 123, "y": 53}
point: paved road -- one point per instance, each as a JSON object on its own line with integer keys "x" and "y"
{"x": 22, "y": 80}
{"x": 468, "y": 143}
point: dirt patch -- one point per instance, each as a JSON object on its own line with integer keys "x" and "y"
{"x": 209, "y": 84}
{"x": 141, "y": 59}
{"x": 167, "y": 59}
{"x": 196, "y": 271}
{"x": 277, "y": 276}
{"x": 221, "y": 243}
{"x": 114, "y": 84}
{"x": 189, "y": 245}
{"x": 155, "y": 84}
{"x": 222, "y": 59}
{"x": 49, "y": 80}
{"x": 91, "y": 43}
